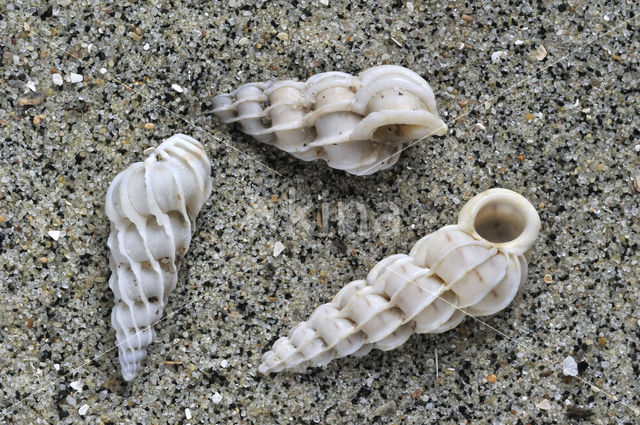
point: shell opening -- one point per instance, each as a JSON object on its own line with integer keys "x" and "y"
{"x": 503, "y": 218}
{"x": 399, "y": 132}
{"x": 389, "y": 133}
{"x": 499, "y": 221}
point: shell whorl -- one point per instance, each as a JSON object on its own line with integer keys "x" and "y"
{"x": 453, "y": 272}
{"x": 152, "y": 206}
{"x": 355, "y": 123}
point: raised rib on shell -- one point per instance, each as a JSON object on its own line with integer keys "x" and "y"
{"x": 356, "y": 123}
{"x": 472, "y": 268}
{"x": 152, "y": 206}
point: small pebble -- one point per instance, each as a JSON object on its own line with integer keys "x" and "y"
{"x": 224, "y": 364}
{"x": 216, "y": 398}
{"x": 83, "y": 410}
{"x": 103, "y": 71}
{"x": 283, "y": 36}
{"x": 466, "y": 18}
{"x": 31, "y": 86}
{"x": 55, "y": 234}
{"x": 76, "y": 385}
{"x": 75, "y": 78}
{"x": 57, "y": 79}
{"x": 544, "y": 405}
{"x": 324, "y": 2}
{"x": 146, "y": 46}
{"x": 37, "y": 119}
{"x": 541, "y": 52}
{"x": 386, "y": 409}
{"x": 278, "y": 248}
{"x": 177, "y": 88}
{"x": 570, "y": 367}
{"x": 409, "y": 6}
{"x": 149, "y": 126}
{"x": 134, "y": 36}
{"x": 496, "y": 56}
{"x": 492, "y": 378}
{"x": 548, "y": 278}
{"x": 70, "y": 400}
{"x": 31, "y": 100}
{"x": 243, "y": 41}
{"x": 187, "y": 413}
{"x": 479, "y": 127}
{"x": 602, "y": 341}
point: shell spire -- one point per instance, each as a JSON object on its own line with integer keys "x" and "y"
{"x": 473, "y": 268}
{"x": 152, "y": 206}
{"x": 356, "y": 123}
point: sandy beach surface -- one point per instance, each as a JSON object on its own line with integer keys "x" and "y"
{"x": 541, "y": 98}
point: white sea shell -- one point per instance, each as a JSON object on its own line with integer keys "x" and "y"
{"x": 355, "y": 123}
{"x": 472, "y": 268}
{"x": 152, "y": 206}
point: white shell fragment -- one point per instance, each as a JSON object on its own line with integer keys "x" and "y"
{"x": 278, "y": 248}
{"x": 569, "y": 366}
{"x": 355, "y": 123}
{"x": 473, "y": 268}
{"x": 544, "y": 405}
{"x": 54, "y": 234}
{"x": 497, "y": 56}
{"x": 57, "y": 79}
{"x": 152, "y": 206}
{"x": 541, "y": 53}
{"x": 74, "y": 78}
{"x": 216, "y": 398}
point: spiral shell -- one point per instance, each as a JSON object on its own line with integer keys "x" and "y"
{"x": 152, "y": 206}
{"x": 355, "y": 123}
{"x": 473, "y": 268}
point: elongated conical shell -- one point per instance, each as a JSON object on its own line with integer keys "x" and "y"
{"x": 152, "y": 206}
{"x": 472, "y": 268}
{"x": 355, "y": 123}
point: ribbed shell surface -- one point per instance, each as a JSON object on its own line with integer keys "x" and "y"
{"x": 447, "y": 275}
{"x": 355, "y": 123}
{"x": 152, "y": 206}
